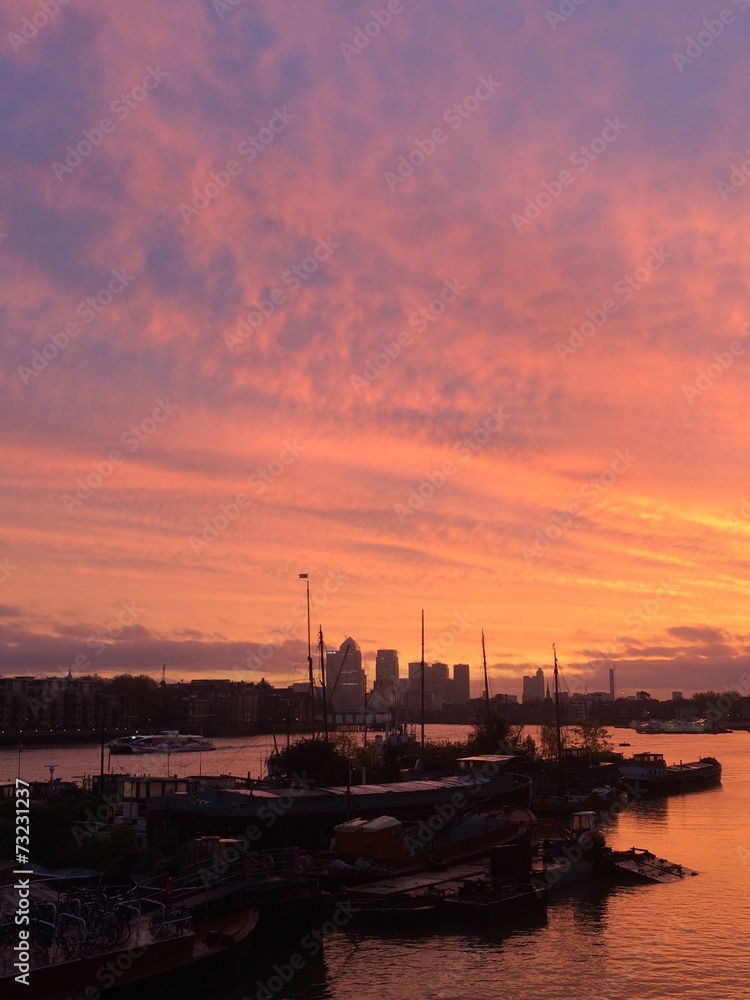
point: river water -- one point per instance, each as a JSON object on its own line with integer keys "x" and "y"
{"x": 687, "y": 940}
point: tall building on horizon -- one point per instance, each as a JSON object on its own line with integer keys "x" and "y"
{"x": 345, "y": 678}
{"x": 533, "y": 687}
{"x": 461, "y": 684}
{"x": 440, "y": 684}
{"x": 386, "y": 668}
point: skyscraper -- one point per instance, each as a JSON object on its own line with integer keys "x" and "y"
{"x": 461, "y": 684}
{"x": 386, "y": 690}
{"x": 386, "y": 668}
{"x": 533, "y": 687}
{"x": 345, "y": 678}
{"x": 439, "y": 686}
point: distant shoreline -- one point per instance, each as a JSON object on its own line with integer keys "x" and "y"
{"x": 37, "y": 739}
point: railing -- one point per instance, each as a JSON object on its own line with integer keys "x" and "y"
{"x": 246, "y": 869}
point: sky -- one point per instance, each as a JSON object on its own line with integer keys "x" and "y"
{"x": 441, "y": 303}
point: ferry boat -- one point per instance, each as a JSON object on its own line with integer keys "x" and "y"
{"x": 168, "y": 741}
{"x": 658, "y": 727}
{"x": 649, "y": 771}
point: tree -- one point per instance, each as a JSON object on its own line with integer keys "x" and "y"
{"x": 324, "y": 761}
{"x": 548, "y": 741}
{"x": 593, "y": 737}
{"x": 490, "y": 735}
{"x": 137, "y": 698}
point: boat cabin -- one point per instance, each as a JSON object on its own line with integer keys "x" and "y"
{"x": 484, "y": 766}
{"x": 648, "y": 759}
{"x": 133, "y": 795}
{"x": 644, "y": 767}
{"x": 582, "y": 822}
{"x": 382, "y": 839}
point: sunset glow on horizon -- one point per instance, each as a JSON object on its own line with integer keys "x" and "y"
{"x": 445, "y": 305}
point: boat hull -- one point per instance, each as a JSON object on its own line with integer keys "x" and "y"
{"x": 167, "y": 742}
{"x": 217, "y": 941}
{"x": 704, "y": 773}
{"x": 303, "y": 816}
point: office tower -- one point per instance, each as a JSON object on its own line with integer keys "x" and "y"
{"x": 461, "y": 684}
{"x": 386, "y": 668}
{"x": 345, "y": 678}
{"x": 533, "y": 687}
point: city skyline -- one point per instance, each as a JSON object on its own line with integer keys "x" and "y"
{"x": 441, "y": 305}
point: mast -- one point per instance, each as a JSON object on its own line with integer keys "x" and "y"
{"x": 323, "y": 679}
{"x": 268, "y": 711}
{"x": 338, "y": 675}
{"x": 557, "y": 710}
{"x": 486, "y": 681}
{"x": 364, "y": 744}
{"x": 421, "y": 675}
{"x": 304, "y": 576}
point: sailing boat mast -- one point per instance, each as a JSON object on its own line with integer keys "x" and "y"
{"x": 421, "y": 675}
{"x": 268, "y": 712}
{"x": 557, "y": 709}
{"x": 305, "y": 577}
{"x": 323, "y": 680}
{"x": 486, "y": 681}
